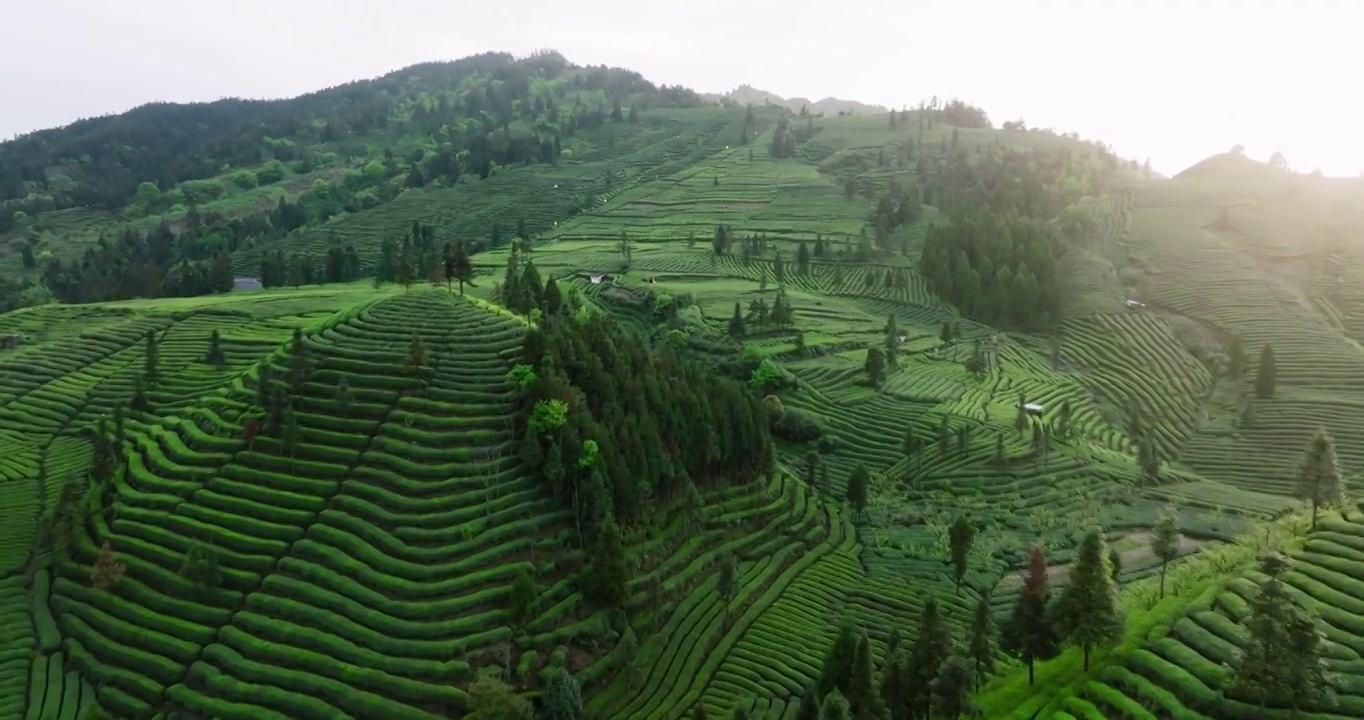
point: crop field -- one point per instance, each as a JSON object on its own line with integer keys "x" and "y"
{"x": 1202, "y": 274}
{"x": 367, "y": 564}
{"x": 739, "y": 186}
{"x": 664, "y": 142}
{"x": 395, "y": 495}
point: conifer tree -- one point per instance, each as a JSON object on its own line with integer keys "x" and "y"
{"x": 608, "y": 570}
{"x": 1165, "y": 542}
{"x": 120, "y": 432}
{"x": 264, "y": 386}
{"x": 298, "y": 363}
{"x": 1029, "y": 634}
{"x": 522, "y": 598}
{"x": 981, "y": 647}
{"x": 736, "y": 323}
{"x": 811, "y": 467}
{"x": 290, "y": 431}
{"x": 699, "y": 713}
{"x": 1319, "y": 482}
{"x": 104, "y": 456}
{"x": 554, "y": 299}
{"x": 727, "y": 584}
{"x": 139, "y": 400}
{"x": 1284, "y": 651}
{"x": 562, "y": 698}
{"x": 858, "y": 481}
{"x": 151, "y": 360}
{"x": 892, "y": 341}
{"x": 895, "y": 685}
{"x": 809, "y": 704}
{"x": 215, "y": 356}
{"x": 463, "y": 268}
{"x": 68, "y": 515}
{"x": 1088, "y": 611}
{"x": 864, "y": 703}
{"x": 952, "y": 686}
{"x": 960, "y": 536}
{"x": 276, "y": 413}
{"x": 418, "y": 363}
{"x": 835, "y": 707}
{"x": 875, "y": 366}
{"x": 406, "y": 272}
{"x": 927, "y": 655}
{"x": 1266, "y": 376}
{"x": 836, "y": 674}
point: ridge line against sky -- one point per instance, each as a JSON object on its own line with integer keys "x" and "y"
{"x": 1172, "y": 81}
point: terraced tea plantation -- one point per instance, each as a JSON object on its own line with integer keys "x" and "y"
{"x": 370, "y": 543}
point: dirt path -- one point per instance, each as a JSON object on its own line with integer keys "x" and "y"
{"x": 1056, "y": 574}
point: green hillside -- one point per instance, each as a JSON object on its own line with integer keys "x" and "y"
{"x": 716, "y": 393}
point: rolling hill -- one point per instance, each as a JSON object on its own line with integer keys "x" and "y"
{"x": 717, "y": 385}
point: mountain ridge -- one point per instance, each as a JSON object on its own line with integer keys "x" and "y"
{"x": 746, "y": 94}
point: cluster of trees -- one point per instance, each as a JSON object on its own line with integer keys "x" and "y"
{"x": 936, "y": 672}
{"x": 933, "y": 673}
{"x": 785, "y": 138}
{"x": 900, "y": 206}
{"x": 617, "y": 424}
{"x": 193, "y": 261}
{"x": 997, "y": 257}
{"x": 762, "y": 316}
{"x": 1284, "y": 658}
{"x": 1001, "y": 271}
{"x": 155, "y": 264}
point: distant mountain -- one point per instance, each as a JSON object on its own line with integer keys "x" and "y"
{"x": 747, "y": 94}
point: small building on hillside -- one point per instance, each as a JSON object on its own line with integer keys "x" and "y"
{"x": 596, "y": 278}
{"x": 247, "y": 283}
{"x": 1134, "y": 304}
{"x": 1034, "y": 409}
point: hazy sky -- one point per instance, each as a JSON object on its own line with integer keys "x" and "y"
{"x": 1171, "y": 80}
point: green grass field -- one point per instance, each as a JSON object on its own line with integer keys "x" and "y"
{"x": 366, "y": 572}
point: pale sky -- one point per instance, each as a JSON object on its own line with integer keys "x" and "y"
{"x": 1172, "y": 80}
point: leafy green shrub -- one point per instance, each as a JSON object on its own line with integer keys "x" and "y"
{"x": 796, "y": 426}
{"x": 198, "y": 192}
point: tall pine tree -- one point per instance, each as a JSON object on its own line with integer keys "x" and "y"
{"x": 1088, "y": 611}
{"x": 1319, "y": 482}
{"x": 1029, "y": 634}
{"x": 1267, "y": 375}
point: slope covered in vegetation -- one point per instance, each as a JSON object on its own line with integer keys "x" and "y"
{"x": 684, "y": 409}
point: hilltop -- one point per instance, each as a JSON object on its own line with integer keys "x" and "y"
{"x": 563, "y": 384}
{"x": 749, "y": 95}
